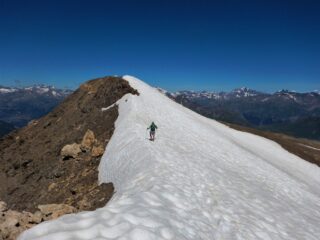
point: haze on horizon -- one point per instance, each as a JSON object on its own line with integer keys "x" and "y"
{"x": 176, "y": 45}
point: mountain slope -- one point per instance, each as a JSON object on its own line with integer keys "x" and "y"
{"x": 198, "y": 180}
{"x": 54, "y": 159}
{"x": 32, "y": 160}
{"x": 308, "y": 150}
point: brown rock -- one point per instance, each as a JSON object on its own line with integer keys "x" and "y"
{"x": 97, "y": 151}
{"x": 12, "y": 223}
{"x": 4, "y": 233}
{"x": 36, "y": 217}
{"x": 3, "y": 206}
{"x": 52, "y": 211}
{"x": 51, "y": 186}
{"x": 25, "y": 218}
{"x": 70, "y": 150}
{"x": 84, "y": 204}
{"x": 88, "y": 140}
{"x": 11, "y": 219}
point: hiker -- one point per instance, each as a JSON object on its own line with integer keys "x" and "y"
{"x": 152, "y": 128}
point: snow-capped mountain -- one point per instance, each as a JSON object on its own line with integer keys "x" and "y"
{"x": 20, "y": 105}
{"x": 40, "y": 89}
{"x": 4, "y": 90}
{"x": 285, "y": 111}
{"x": 237, "y": 93}
{"x": 199, "y": 180}
{"x": 242, "y": 92}
{"x": 194, "y": 94}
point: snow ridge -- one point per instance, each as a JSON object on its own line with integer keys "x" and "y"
{"x": 198, "y": 180}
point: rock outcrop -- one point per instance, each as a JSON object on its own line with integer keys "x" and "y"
{"x": 70, "y": 151}
{"x": 55, "y": 159}
{"x": 88, "y": 140}
{"x": 89, "y": 144}
{"x": 12, "y": 223}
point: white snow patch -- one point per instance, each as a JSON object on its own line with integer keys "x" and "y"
{"x": 42, "y": 90}
{"x": 309, "y": 147}
{"x": 7, "y": 90}
{"x": 198, "y": 180}
{"x": 106, "y": 108}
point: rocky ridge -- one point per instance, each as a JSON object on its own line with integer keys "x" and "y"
{"x": 54, "y": 160}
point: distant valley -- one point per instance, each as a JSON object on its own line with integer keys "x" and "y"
{"x": 18, "y": 106}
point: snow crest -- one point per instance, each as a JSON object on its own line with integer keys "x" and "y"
{"x": 198, "y": 180}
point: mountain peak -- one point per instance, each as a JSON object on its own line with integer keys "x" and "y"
{"x": 4, "y": 90}
{"x": 66, "y": 124}
{"x": 243, "y": 92}
{"x": 286, "y": 91}
{"x": 242, "y": 89}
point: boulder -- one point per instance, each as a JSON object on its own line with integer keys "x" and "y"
{"x": 97, "y": 151}
{"x": 53, "y": 211}
{"x": 12, "y": 223}
{"x": 70, "y": 150}
{"x": 52, "y": 186}
{"x": 11, "y": 219}
{"x": 25, "y": 218}
{"x": 88, "y": 140}
{"x": 36, "y": 217}
{"x": 3, "y": 206}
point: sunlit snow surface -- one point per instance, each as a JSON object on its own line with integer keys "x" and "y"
{"x": 198, "y": 180}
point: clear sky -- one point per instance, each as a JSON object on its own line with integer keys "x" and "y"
{"x": 200, "y": 45}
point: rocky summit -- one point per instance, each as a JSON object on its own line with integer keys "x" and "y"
{"x": 49, "y": 167}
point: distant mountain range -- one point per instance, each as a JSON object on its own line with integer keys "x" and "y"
{"x": 20, "y": 105}
{"x": 289, "y": 112}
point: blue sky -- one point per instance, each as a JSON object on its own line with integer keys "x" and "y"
{"x": 200, "y": 45}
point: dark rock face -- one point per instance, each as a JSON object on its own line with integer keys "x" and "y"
{"x": 32, "y": 170}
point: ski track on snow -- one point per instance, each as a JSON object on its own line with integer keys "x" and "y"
{"x": 198, "y": 180}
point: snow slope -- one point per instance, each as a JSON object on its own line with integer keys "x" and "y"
{"x": 198, "y": 180}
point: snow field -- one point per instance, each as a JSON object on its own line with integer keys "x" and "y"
{"x": 198, "y": 180}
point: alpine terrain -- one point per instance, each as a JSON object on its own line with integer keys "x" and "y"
{"x": 20, "y": 105}
{"x": 199, "y": 179}
{"x": 292, "y": 113}
{"x": 50, "y": 167}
